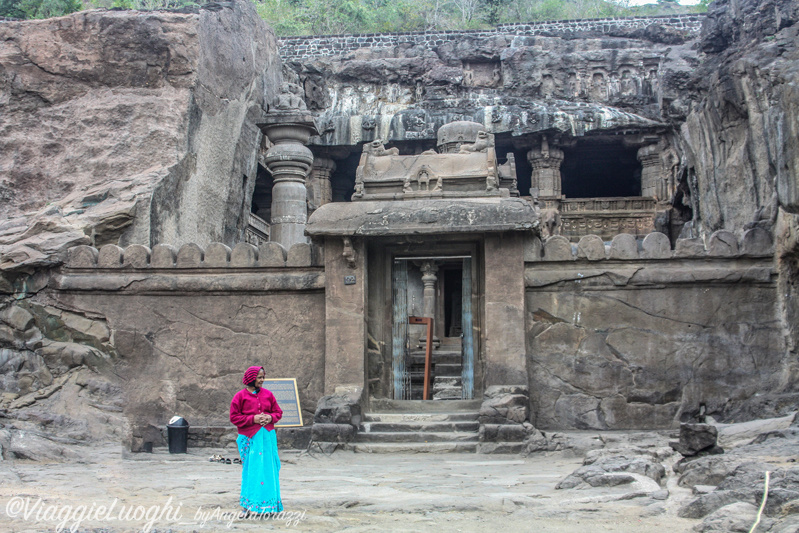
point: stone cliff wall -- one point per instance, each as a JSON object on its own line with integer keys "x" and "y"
{"x": 741, "y": 137}
{"x": 126, "y": 128}
{"x": 622, "y": 338}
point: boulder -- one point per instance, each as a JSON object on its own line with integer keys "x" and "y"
{"x": 695, "y": 438}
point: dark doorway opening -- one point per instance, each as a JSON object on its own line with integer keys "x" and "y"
{"x": 342, "y": 181}
{"x": 453, "y": 296}
{"x": 262, "y": 195}
{"x": 600, "y": 170}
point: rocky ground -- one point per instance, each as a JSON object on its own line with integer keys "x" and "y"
{"x": 622, "y": 482}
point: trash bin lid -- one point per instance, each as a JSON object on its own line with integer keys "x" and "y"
{"x": 177, "y": 422}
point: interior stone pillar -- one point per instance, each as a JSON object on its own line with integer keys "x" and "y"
{"x": 651, "y": 171}
{"x": 429, "y": 278}
{"x": 289, "y": 127}
{"x": 505, "y": 349}
{"x": 319, "y": 186}
{"x": 545, "y": 161}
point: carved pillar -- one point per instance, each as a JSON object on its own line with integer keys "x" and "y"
{"x": 289, "y": 161}
{"x": 429, "y": 279}
{"x": 545, "y": 178}
{"x": 651, "y": 171}
{"x": 319, "y": 187}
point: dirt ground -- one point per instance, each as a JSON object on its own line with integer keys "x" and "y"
{"x": 344, "y": 491}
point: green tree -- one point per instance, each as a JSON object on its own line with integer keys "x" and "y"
{"x": 42, "y": 9}
{"x": 10, "y": 8}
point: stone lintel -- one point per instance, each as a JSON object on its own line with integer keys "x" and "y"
{"x": 421, "y": 217}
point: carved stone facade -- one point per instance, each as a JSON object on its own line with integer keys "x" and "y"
{"x": 576, "y": 307}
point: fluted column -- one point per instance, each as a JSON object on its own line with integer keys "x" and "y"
{"x": 429, "y": 279}
{"x": 546, "y": 161}
{"x": 652, "y": 176}
{"x": 289, "y": 161}
{"x": 319, "y": 186}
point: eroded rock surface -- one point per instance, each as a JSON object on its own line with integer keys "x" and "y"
{"x": 120, "y": 128}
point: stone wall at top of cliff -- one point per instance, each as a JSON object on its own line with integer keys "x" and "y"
{"x": 130, "y": 127}
{"x": 676, "y": 26}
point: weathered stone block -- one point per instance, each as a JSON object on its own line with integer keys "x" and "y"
{"x": 163, "y": 256}
{"x": 722, "y": 244}
{"x": 271, "y": 254}
{"x": 136, "y": 256}
{"x": 624, "y": 246}
{"x": 17, "y": 317}
{"x": 695, "y": 438}
{"x": 217, "y": 255}
{"x": 110, "y": 256}
{"x": 533, "y": 249}
{"x": 299, "y": 255}
{"x": 317, "y": 255}
{"x": 558, "y": 248}
{"x": 82, "y": 256}
{"x": 338, "y": 409}
{"x": 294, "y": 438}
{"x": 189, "y": 256}
{"x": 656, "y": 246}
{"x": 505, "y": 432}
{"x": 689, "y": 248}
{"x": 757, "y": 241}
{"x": 505, "y": 409}
{"x": 591, "y": 247}
{"x": 339, "y": 433}
{"x": 244, "y": 255}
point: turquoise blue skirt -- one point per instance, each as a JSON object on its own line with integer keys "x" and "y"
{"x": 260, "y": 482}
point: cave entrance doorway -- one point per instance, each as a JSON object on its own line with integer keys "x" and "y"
{"x": 441, "y": 288}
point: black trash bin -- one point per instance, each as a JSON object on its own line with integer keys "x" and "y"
{"x": 178, "y": 434}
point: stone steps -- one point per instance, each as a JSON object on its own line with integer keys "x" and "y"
{"x": 414, "y": 426}
{"x": 420, "y": 418}
{"x": 412, "y": 447}
{"x": 421, "y": 407}
{"x": 418, "y": 426}
{"x": 405, "y": 436}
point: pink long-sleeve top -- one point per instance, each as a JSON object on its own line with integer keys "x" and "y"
{"x": 245, "y": 405}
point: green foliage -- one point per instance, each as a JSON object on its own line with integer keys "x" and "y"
{"x": 10, "y": 8}
{"x": 320, "y": 17}
{"x": 38, "y": 9}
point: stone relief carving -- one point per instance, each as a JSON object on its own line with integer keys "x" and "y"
{"x": 290, "y": 99}
{"x": 349, "y": 253}
{"x": 550, "y": 222}
{"x": 415, "y": 122}
{"x": 369, "y": 123}
{"x": 480, "y": 145}
{"x": 378, "y": 149}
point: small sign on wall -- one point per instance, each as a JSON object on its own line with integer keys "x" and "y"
{"x": 285, "y": 391}
{"x": 349, "y": 280}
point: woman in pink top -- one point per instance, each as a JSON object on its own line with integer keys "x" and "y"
{"x": 254, "y": 411}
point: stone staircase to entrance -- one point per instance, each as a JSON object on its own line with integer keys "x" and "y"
{"x": 445, "y": 374}
{"x": 416, "y": 426}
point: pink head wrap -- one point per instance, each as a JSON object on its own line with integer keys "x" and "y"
{"x": 251, "y": 374}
